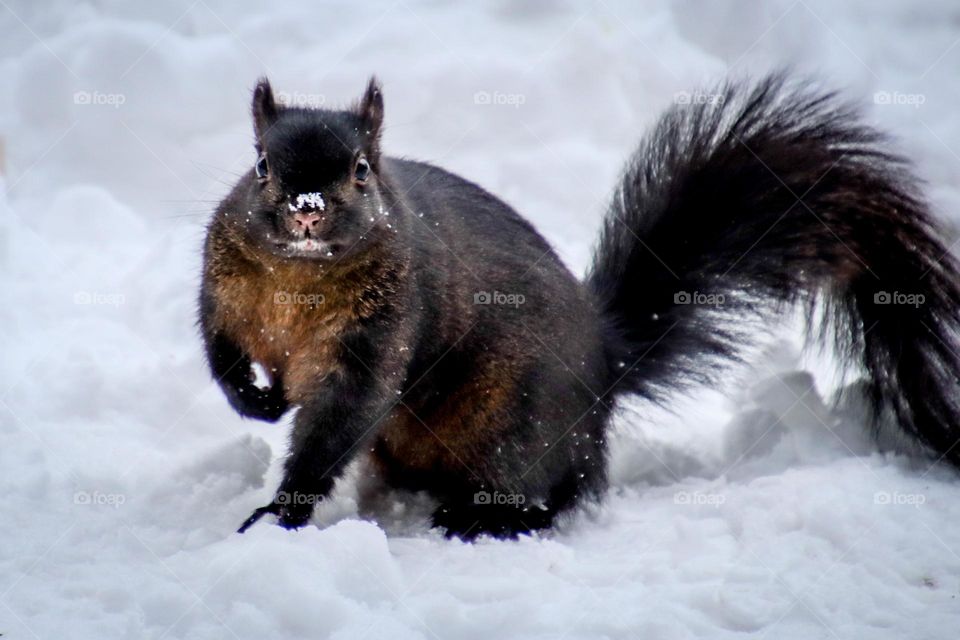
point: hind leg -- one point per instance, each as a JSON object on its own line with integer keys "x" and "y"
{"x": 472, "y": 516}
{"x": 515, "y": 498}
{"x": 502, "y": 457}
{"x": 529, "y": 498}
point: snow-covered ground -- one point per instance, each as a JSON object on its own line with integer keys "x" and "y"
{"x": 124, "y": 473}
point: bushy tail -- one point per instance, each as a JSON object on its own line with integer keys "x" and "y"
{"x": 768, "y": 194}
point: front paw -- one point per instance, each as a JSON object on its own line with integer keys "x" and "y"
{"x": 250, "y": 401}
{"x": 289, "y": 515}
{"x": 295, "y": 508}
{"x": 294, "y": 517}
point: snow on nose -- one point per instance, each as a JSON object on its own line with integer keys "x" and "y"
{"x": 312, "y": 200}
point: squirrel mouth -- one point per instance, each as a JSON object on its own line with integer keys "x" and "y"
{"x": 309, "y": 247}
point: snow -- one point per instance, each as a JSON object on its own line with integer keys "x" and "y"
{"x": 750, "y": 510}
{"x": 313, "y": 200}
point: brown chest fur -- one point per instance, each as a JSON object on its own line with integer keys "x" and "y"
{"x": 289, "y": 315}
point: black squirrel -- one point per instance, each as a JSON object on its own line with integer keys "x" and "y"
{"x": 413, "y": 317}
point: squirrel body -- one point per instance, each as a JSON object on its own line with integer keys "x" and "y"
{"x": 409, "y": 315}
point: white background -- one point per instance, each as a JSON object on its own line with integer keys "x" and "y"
{"x": 123, "y": 473}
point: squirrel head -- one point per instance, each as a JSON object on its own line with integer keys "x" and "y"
{"x": 314, "y": 192}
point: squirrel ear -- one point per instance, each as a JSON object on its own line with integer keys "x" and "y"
{"x": 370, "y": 111}
{"x": 264, "y": 108}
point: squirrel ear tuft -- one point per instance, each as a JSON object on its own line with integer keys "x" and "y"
{"x": 370, "y": 111}
{"x": 264, "y": 108}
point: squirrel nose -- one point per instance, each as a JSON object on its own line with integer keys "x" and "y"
{"x": 306, "y": 221}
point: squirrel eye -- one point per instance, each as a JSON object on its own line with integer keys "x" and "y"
{"x": 362, "y": 170}
{"x": 261, "y": 167}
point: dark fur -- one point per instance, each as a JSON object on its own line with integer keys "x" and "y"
{"x": 780, "y": 195}
{"x": 775, "y": 195}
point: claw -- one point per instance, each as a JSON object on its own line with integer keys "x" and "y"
{"x": 272, "y": 508}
